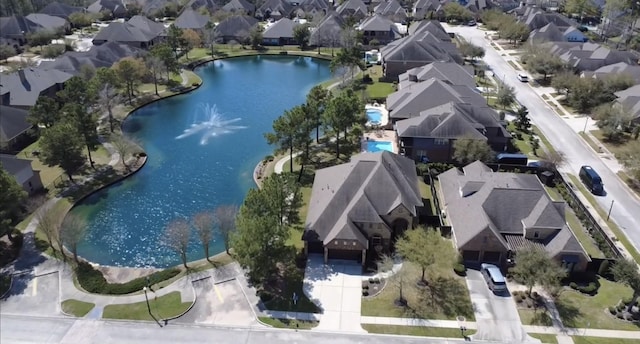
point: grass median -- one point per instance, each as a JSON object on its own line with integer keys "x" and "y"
{"x": 423, "y": 331}
{"x": 163, "y": 307}
{"x": 76, "y": 307}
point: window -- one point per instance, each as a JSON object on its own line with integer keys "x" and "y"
{"x": 376, "y": 240}
{"x": 441, "y": 142}
{"x": 536, "y": 234}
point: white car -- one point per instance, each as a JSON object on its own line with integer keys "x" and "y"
{"x": 523, "y": 77}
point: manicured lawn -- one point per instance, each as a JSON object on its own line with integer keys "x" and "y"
{"x": 522, "y": 144}
{"x": 583, "y": 311}
{"x": 515, "y": 66}
{"x": 151, "y": 89}
{"x": 589, "y": 141}
{"x": 602, "y": 340}
{"x": 76, "y": 307}
{"x": 380, "y": 90}
{"x": 613, "y": 147}
{"x": 545, "y": 338}
{"x": 445, "y": 297}
{"x": 535, "y": 317}
{"x": 289, "y": 323}
{"x": 163, "y": 307}
{"x": 603, "y": 214}
{"x": 425, "y": 192}
{"x": 47, "y": 173}
{"x": 422, "y": 331}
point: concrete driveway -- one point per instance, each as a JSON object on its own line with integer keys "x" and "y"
{"x": 33, "y": 295}
{"x": 337, "y": 289}
{"x": 497, "y": 318}
{"x": 564, "y": 137}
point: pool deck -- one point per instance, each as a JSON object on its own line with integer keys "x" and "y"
{"x": 380, "y": 135}
{"x": 384, "y": 119}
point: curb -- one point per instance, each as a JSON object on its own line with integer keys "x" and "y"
{"x": 195, "y": 298}
{"x": 8, "y": 289}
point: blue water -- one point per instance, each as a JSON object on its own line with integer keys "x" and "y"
{"x": 377, "y": 146}
{"x": 374, "y": 115}
{"x": 184, "y": 176}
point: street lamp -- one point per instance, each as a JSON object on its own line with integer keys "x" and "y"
{"x": 147, "y": 299}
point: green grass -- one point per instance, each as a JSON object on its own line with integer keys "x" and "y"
{"x": 535, "y": 317}
{"x": 380, "y": 90}
{"x": 422, "y": 331}
{"x": 425, "y": 193}
{"x": 76, "y": 307}
{"x": 545, "y": 338}
{"x": 151, "y": 89}
{"x": 613, "y": 147}
{"x": 589, "y": 141}
{"x": 163, "y": 307}
{"x": 583, "y": 311}
{"x": 5, "y": 283}
{"x": 603, "y": 214}
{"x": 47, "y": 173}
{"x": 515, "y": 66}
{"x": 289, "y": 323}
{"x": 602, "y": 340}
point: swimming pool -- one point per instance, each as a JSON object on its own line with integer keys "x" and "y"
{"x": 377, "y": 146}
{"x": 374, "y": 115}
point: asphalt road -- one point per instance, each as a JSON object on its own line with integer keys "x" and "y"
{"x": 23, "y": 330}
{"x": 564, "y": 139}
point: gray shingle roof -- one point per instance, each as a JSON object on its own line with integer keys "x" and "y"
{"x": 283, "y": 28}
{"x": 330, "y": 26}
{"x": 211, "y": 5}
{"x": 17, "y": 27}
{"x": 547, "y": 33}
{"x": 24, "y": 86}
{"x": 423, "y": 47}
{"x": 363, "y": 190}
{"x": 60, "y": 10}
{"x": 13, "y": 122}
{"x": 116, "y": 7}
{"x": 236, "y": 26}
{"x": 275, "y": 7}
{"x": 239, "y": 5}
{"x": 392, "y": 9}
{"x": 352, "y": 7}
{"x": 629, "y": 99}
{"x": 46, "y": 21}
{"x": 136, "y": 29}
{"x": 376, "y": 23}
{"x": 450, "y": 72}
{"x": 190, "y": 19}
{"x": 589, "y": 56}
{"x": 15, "y": 166}
{"x": 104, "y": 55}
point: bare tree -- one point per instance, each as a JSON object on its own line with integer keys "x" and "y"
{"x": 210, "y": 39}
{"x": 49, "y": 223}
{"x": 155, "y": 66}
{"x": 72, "y": 232}
{"x": 176, "y": 237}
{"x": 398, "y": 279}
{"x": 225, "y": 217}
{"x": 123, "y": 146}
{"x": 552, "y": 159}
{"x": 203, "y": 223}
{"x": 107, "y": 98}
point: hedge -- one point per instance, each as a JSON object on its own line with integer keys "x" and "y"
{"x": 93, "y": 281}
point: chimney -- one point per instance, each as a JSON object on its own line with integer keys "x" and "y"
{"x": 23, "y": 80}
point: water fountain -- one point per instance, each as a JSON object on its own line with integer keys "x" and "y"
{"x": 210, "y": 123}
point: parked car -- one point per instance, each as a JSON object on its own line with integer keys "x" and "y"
{"x": 512, "y": 159}
{"x": 591, "y": 180}
{"x": 494, "y": 278}
{"x": 523, "y": 77}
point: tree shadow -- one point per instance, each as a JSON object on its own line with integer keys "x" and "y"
{"x": 446, "y": 295}
{"x": 568, "y": 313}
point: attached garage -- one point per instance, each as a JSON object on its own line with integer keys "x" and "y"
{"x": 471, "y": 256}
{"x": 345, "y": 254}
{"x": 491, "y": 256}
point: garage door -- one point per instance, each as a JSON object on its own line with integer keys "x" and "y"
{"x": 345, "y": 254}
{"x": 471, "y": 256}
{"x": 491, "y": 257}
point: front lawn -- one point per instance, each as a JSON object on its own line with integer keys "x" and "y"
{"x": 76, "y": 307}
{"x": 380, "y": 90}
{"x": 289, "y": 323}
{"x": 603, "y": 340}
{"x": 545, "y": 338}
{"x": 163, "y": 307}
{"x": 422, "y": 331}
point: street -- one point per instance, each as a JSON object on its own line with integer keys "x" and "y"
{"x": 563, "y": 138}
{"x": 26, "y": 329}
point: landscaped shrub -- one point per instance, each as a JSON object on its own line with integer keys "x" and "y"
{"x": 627, "y": 300}
{"x": 265, "y": 296}
{"x": 613, "y": 310}
{"x": 590, "y": 289}
{"x": 93, "y": 281}
{"x": 573, "y": 285}
{"x": 460, "y": 269}
{"x": 620, "y": 316}
{"x": 52, "y": 51}
{"x": 365, "y": 293}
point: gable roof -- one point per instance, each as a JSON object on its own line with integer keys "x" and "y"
{"x": 24, "y": 86}
{"x": 377, "y": 23}
{"x": 190, "y": 19}
{"x": 236, "y": 26}
{"x": 328, "y": 29}
{"x": 547, "y": 33}
{"x": 116, "y": 7}
{"x": 351, "y": 7}
{"x": 282, "y": 28}
{"x": 589, "y": 56}
{"x": 629, "y": 99}
{"x": 16, "y": 167}
{"x": 211, "y": 5}
{"x": 275, "y": 7}
{"x": 423, "y": 46}
{"x": 60, "y": 9}
{"x": 449, "y": 72}
{"x": 13, "y": 122}
{"x": 239, "y": 5}
{"x": 46, "y": 21}
{"x": 17, "y": 27}
{"x": 365, "y": 189}
{"x": 391, "y": 8}
{"x": 136, "y": 29}
{"x": 632, "y": 71}
{"x": 104, "y": 55}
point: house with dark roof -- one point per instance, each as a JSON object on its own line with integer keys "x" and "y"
{"x": 51, "y": 23}
{"x": 361, "y": 207}
{"x": 117, "y": 8}
{"x": 629, "y": 100}
{"x": 21, "y": 89}
{"x": 327, "y": 32}
{"x": 22, "y": 172}
{"x": 495, "y": 214}
{"x": 410, "y": 101}
{"x": 427, "y": 43}
{"x": 431, "y": 135}
{"x": 355, "y": 9}
{"x": 235, "y": 28}
{"x": 589, "y": 56}
{"x": 14, "y": 129}
{"x": 212, "y": 6}
{"x": 61, "y": 10}
{"x": 190, "y": 19}
{"x": 139, "y": 31}
{"x": 536, "y": 18}
{"x": 280, "y": 33}
{"x": 15, "y": 29}
{"x": 428, "y": 9}
{"x": 240, "y": 7}
{"x": 104, "y": 55}
{"x": 378, "y": 28}
{"x": 275, "y": 9}
{"x": 316, "y": 9}
{"x": 449, "y": 72}
{"x": 632, "y": 71}
{"x": 552, "y": 33}
{"x": 391, "y": 9}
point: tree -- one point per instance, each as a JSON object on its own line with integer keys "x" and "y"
{"x": 283, "y": 197}
{"x": 175, "y": 39}
{"x": 190, "y": 39}
{"x": 422, "y": 247}
{"x": 40, "y": 38}
{"x": 79, "y": 97}
{"x": 316, "y": 103}
{"x": 342, "y": 112}
{"x": 522, "y": 121}
{"x": 613, "y": 120}
{"x": 168, "y": 58}
{"x": 467, "y": 150}
{"x": 62, "y": 145}
{"x": 48, "y": 220}
{"x": 535, "y": 266}
{"x": 471, "y": 51}
{"x": 301, "y": 34}
{"x": 176, "y": 238}
{"x": 80, "y": 19}
{"x": 225, "y": 222}
{"x": 539, "y": 59}
{"x": 46, "y": 112}
{"x": 11, "y": 200}
{"x": 107, "y": 98}
{"x": 155, "y": 66}
{"x": 514, "y": 31}
{"x": 130, "y": 72}
{"x": 72, "y": 232}
{"x": 284, "y": 132}
{"x": 534, "y": 142}
{"x": 552, "y": 159}
{"x": 7, "y": 51}
{"x": 397, "y": 279}
{"x": 506, "y": 95}
{"x": 255, "y": 37}
{"x": 626, "y": 271}
{"x": 581, "y": 7}
{"x": 210, "y": 39}
{"x": 203, "y": 222}
{"x": 563, "y": 81}
{"x": 123, "y": 146}
{"x": 453, "y": 11}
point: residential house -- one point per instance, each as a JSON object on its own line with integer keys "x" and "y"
{"x": 21, "y": 89}
{"x": 23, "y": 173}
{"x": 355, "y": 9}
{"x": 275, "y": 9}
{"x": 61, "y": 10}
{"x": 536, "y": 18}
{"x": 280, "y": 33}
{"x": 629, "y": 100}
{"x": 104, "y": 55}
{"x": 235, "y": 28}
{"x": 425, "y": 45}
{"x": 378, "y": 28}
{"x": 589, "y": 56}
{"x": 495, "y": 214}
{"x": 428, "y": 9}
{"x": 156, "y": 8}
{"x": 190, "y": 19}
{"x": 449, "y": 72}
{"x": 140, "y": 32}
{"x": 315, "y": 9}
{"x": 242, "y": 7}
{"x": 632, "y": 71}
{"x": 14, "y": 129}
{"x": 328, "y": 32}
{"x": 14, "y": 30}
{"x": 431, "y": 135}
{"x": 359, "y": 208}
{"x": 552, "y": 33}
{"x": 410, "y": 101}
{"x": 504, "y": 5}
{"x": 212, "y": 6}
{"x": 117, "y": 8}
{"x": 391, "y": 9}
{"x": 51, "y": 23}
